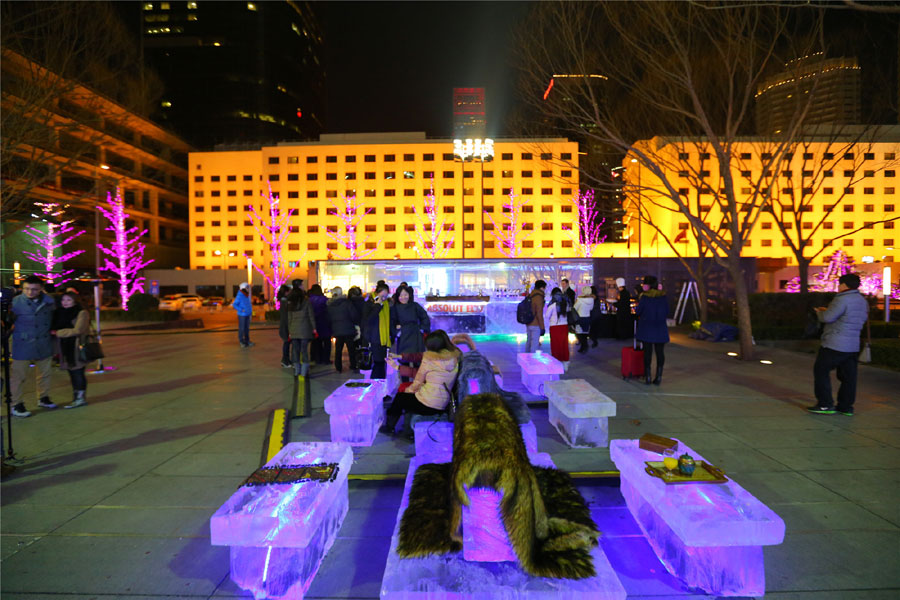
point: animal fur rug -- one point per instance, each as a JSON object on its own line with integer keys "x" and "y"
{"x": 548, "y": 523}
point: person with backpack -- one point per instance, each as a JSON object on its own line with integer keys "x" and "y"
{"x": 530, "y": 312}
{"x": 244, "y": 308}
{"x": 558, "y": 326}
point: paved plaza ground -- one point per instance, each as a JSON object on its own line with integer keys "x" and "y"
{"x": 113, "y": 500}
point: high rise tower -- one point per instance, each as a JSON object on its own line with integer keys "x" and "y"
{"x": 469, "y": 120}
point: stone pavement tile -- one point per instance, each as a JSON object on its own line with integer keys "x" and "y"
{"x": 800, "y": 422}
{"x": 615, "y": 521}
{"x": 84, "y": 487}
{"x": 785, "y": 487}
{"x": 872, "y": 485}
{"x": 708, "y": 440}
{"x": 116, "y": 565}
{"x": 210, "y": 464}
{"x": 369, "y": 522}
{"x": 633, "y": 428}
{"x": 739, "y": 461}
{"x": 583, "y": 459}
{"x": 833, "y": 560}
{"x": 829, "y": 516}
{"x": 640, "y": 405}
{"x": 226, "y": 441}
{"x": 863, "y": 421}
{"x": 888, "y": 436}
{"x": 140, "y": 521}
{"x": 811, "y": 438}
{"x": 600, "y": 492}
{"x": 21, "y": 518}
{"x": 114, "y": 438}
{"x": 129, "y": 462}
{"x": 889, "y": 511}
{"x": 822, "y": 459}
{"x": 738, "y": 407}
{"x": 639, "y": 570}
{"x": 178, "y": 491}
{"x": 835, "y": 595}
{"x": 376, "y": 494}
{"x": 11, "y": 544}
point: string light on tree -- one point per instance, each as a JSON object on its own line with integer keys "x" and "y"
{"x": 351, "y": 213}
{"x": 59, "y": 233}
{"x": 126, "y": 251}
{"x": 273, "y": 233}
{"x": 433, "y": 235}
{"x": 589, "y": 236}
{"x": 512, "y": 234}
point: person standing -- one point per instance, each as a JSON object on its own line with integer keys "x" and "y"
{"x": 301, "y": 328}
{"x": 320, "y": 352}
{"x": 71, "y": 324}
{"x": 345, "y": 318}
{"x": 283, "y": 333}
{"x": 624, "y": 320}
{"x": 244, "y": 308}
{"x": 376, "y": 329}
{"x": 652, "y": 312}
{"x": 558, "y": 326}
{"x": 408, "y": 322}
{"x": 535, "y": 329}
{"x": 844, "y": 319}
{"x": 567, "y": 291}
{"x": 583, "y": 306}
{"x": 31, "y": 314}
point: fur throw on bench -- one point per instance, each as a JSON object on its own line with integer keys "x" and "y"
{"x": 547, "y": 521}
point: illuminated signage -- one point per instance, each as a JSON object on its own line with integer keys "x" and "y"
{"x": 470, "y": 149}
{"x": 455, "y": 308}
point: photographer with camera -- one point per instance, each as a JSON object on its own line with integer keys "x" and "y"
{"x": 31, "y": 316}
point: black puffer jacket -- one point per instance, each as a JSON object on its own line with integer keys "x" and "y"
{"x": 344, "y": 316}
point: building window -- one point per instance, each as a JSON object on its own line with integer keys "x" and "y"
{"x": 369, "y": 158}
{"x": 449, "y": 210}
{"x": 890, "y": 173}
{"x": 369, "y": 175}
{"x": 390, "y": 193}
{"x": 349, "y": 176}
{"x": 546, "y": 226}
{"x": 527, "y": 191}
{"x": 215, "y": 194}
{"x": 370, "y": 193}
{"x": 848, "y": 242}
{"x": 546, "y": 208}
{"x": 429, "y": 156}
{"x": 848, "y": 208}
{"x": 312, "y": 177}
{"x": 448, "y": 174}
{"x": 888, "y": 208}
{"x": 526, "y": 156}
{"x": 350, "y": 158}
{"x": 409, "y": 174}
{"x": 428, "y": 174}
{"x": 390, "y": 210}
{"x": 828, "y": 190}
{"x": 248, "y": 238}
{"x": 231, "y": 193}
{"x": 827, "y": 225}
{"x": 848, "y": 224}
{"x": 312, "y": 211}
{"x": 273, "y": 160}
{"x": 390, "y": 175}
{"x": 331, "y": 176}
{"x": 488, "y": 191}
{"x": 409, "y": 227}
{"x": 409, "y": 157}
{"x": 527, "y": 173}
{"x": 409, "y": 192}
{"x": 390, "y": 227}
{"x": 868, "y": 208}
{"x": 565, "y": 209}
{"x": 488, "y": 209}
{"x": 766, "y": 243}
{"x": 546, "y": 173}
{"x": 293, "y": 177}
{"x": 449, "y": 191}
{"x": 828, "y": 156}
{"x": 201, "y": 253}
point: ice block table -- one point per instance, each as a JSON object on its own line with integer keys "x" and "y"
{"x": 709, "y": 535}
{"x": 579, "y": 412}
{"x": 279, "y": 532}
{"x": 537, "y": 369}
{"x": 356, "y": 410}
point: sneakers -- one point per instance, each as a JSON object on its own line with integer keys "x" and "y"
{"x": 847, "y": 412}
{"x": 249, "y": 344}
{"x": 20, "y": 411}
{"x": 286, "y": 365}
{"x": 821, "y": 410}
{"x": 77, "y": 401}
{"x": 44, "y": 402}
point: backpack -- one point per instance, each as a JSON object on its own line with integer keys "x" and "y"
{"x": 524, "y": 311}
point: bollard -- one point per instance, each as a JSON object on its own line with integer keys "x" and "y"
{"x": 301, "y": 401}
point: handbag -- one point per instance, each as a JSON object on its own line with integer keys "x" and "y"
{"x": 90, "y": 349}
{"x": 364, "y": 359}
{"x": 866, "y": 355}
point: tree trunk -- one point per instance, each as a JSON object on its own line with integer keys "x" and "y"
{"x": 743, "y": 308}
{"x": 702, "y": 298}
{"x": 803, "y": 266}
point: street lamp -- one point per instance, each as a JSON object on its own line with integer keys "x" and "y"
{"x": 466, "y": 151}
{"x": 224, "y": 271}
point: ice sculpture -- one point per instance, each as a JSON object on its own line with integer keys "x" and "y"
{"x": 449, "y": 576}
{"x": 434, "y": 441}
{"x": 579, "y": 412}
{"x": 279, "y": 532}
{"x": 709, "y": 535}
{"x": 537, "y": 369}
{"x": 356, "y": 410}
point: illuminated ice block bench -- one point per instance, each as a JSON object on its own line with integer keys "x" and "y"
{"x": 279, "y": 532}
{"x": 537, "y": 369}
{"x": 579, "y": 412}
{"x": 709, "y": 535}
{"x": 356, "y": 411}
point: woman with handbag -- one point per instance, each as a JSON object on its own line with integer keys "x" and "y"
{"x": 71, "y": 326}
{"x": 556, "y": 318}
{"x": 583, "y": 306}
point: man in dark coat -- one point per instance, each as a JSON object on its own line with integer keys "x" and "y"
{"x": 320, "y": 349}
{"x": 31, "y": 314}
{"x": 624, "y": 320}
{"x": 283, "y": 333}
{"x": 345, "y": 318}
{"x": 652, "y": 311}
{"x": 376, "y": 329}
{"x": 567, "y": 291}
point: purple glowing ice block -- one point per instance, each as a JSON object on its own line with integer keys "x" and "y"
{"x": 278, "y": 533}
{"x": 537, "y": 369}
{"x": 434, "y": 441}
{"x": 709, "y": 535}
{"x": 356, "y": 411}
{"x": 449, "y": 576}
{"x": 579, "y": 412}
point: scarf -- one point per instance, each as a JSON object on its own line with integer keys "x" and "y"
{"x": 384, "y": 325}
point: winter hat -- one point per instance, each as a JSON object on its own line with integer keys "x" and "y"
{"x": 620, "y": 282}
{"x": 245, "y": 286}
{"x": 650, "y": 280}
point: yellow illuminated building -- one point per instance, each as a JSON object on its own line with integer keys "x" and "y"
{"x": 390, "y": 174}
{"x": 826, "y": 187}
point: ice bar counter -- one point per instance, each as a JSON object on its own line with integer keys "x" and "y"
{"x": 279, "y": 532}
{"x": 537, "y": 369}
{"x": 579, "y": 412}
{"x": 356, "y": 410}
{"x": 709, "y": 535}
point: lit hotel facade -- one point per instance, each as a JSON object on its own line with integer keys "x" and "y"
{"x": 390, "y": 175}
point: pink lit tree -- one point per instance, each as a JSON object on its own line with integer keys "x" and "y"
{"x": 512, "y": 233}
{"x": 126, "y": 251}
{"x": 827, "y": 280}
{"x": 273, "y": 232}
{"x": 59, "y": 233}
{"x": 351, "y": 213}
{"x": 433, "y": 235}
{"x": 590, "y": 223}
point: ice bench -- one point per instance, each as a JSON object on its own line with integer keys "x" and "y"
{"x": 709, "y": 535}
{"x": 537, "y": 369}
{"x": 279, "y": 532}
{"x": 579, "y": 412}
{"x": 356, "y": 410}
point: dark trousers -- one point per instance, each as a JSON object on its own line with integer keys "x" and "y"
{"x": 339, "y": 343}
{"x": 286, "y": 351}
{"x": 244, "y": 329}
{"x": 660, "y": 349}
{"x": 405, "y": 402}
{"x": 79, "y": 381}
{"x": 321, "y": 350}
{"x": 379, "y": 362}
{"x": 845, "y": 363}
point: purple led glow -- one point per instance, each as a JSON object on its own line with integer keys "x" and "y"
{"x": 356, "y": 413}
{"x": 351, "y": 213}
{"x": 511, "y": 233}
{"x": 590, "y": 225}
{"x": 127, "y": 251}
{"x": 709, "y": 535}
{"x": 273, "y": 233}
{"x": 59, "y": 233}
{"x": 579, "y": 412}
{"x": 433, "y": 236}
{"x": 538, "y": 368}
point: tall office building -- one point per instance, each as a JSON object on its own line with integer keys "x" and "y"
{"x": 237, "y": 72}
{"x": 469, "y": 120}
{"x": 833, "y": 82}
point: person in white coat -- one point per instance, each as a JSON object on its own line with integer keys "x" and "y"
{"x": 583, "y": 306}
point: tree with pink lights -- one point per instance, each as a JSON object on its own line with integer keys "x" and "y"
{"x": 59, "y": 233}
{"x": 827, "y": 280}
{"x": 351, "y": 213}
{"x": 272, "y": 232}
{"x": 433, "y": 235}
{"x": 126, "y": 251}
{"x": 512, "y": 233}
{"x": 589, "y": 222}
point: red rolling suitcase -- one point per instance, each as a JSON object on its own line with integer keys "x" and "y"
{"x": 559, "y": 342}
{"x": 632, "y": 359}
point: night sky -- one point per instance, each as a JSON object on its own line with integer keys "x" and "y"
{"x": 392, "y": 66}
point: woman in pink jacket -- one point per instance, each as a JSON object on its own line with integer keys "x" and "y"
{"x": 429, "y": 393}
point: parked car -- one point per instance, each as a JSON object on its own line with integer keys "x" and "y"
{"x": 180, "y": 302}
{"x": 214, "y": 301}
